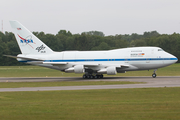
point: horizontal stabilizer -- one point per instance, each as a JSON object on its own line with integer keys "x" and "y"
{"x": 26, "y": 58}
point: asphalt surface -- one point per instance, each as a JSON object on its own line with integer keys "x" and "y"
{"x": 165, "y": 81}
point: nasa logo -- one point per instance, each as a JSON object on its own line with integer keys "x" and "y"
{"x": 27, "y": 40}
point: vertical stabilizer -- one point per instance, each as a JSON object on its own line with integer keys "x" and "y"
{"x": 28, "y": 43}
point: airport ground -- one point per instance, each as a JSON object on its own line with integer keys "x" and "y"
{"x": 51, "y": 84}
{"x": 107, "y": 104}
{"x": 151, "y": 98}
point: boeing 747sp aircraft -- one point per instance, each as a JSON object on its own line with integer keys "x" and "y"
{"x": 92, "y": 63}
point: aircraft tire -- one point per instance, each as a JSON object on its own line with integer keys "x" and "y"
{"x": 96, "y": 76}
{"x": 101, "y": 76}
{"x": 84, "y": 76}
{"x": 88, "y": 76}
{"x": 91, "y": 76}
{"x": 154, "y": 75}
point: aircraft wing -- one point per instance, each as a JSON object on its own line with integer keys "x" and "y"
{"x": 76, "y": 67}
{"x": 107, "y": 65}
{"x": 40, "y": 61}
{"x": 85, "y": 64}
{"x": 56, "y": 63}
{"x": 100, "y": 68}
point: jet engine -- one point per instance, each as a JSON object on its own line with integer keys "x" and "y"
{"x": 111, "y": 71}
{"x": 79, "y": 69}
{"x": 76, "y": 69}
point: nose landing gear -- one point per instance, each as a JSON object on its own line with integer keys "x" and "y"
{"x": 154, "y": 73}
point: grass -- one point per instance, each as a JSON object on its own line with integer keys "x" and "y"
{"x": 61, "y": 83}
{"x": 36, "y": 71}
{"x": 115, "y": 104}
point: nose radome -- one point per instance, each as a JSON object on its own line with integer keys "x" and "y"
{"x": 174, "y": 58}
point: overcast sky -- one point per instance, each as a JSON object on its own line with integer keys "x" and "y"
{"x": 109, "y": 16}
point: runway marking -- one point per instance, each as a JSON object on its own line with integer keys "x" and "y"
{"x": 151, "y": 83}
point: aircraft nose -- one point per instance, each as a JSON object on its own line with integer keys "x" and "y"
{"x": 174, "y": 58}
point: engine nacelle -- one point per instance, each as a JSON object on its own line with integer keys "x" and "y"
{"x": 111, "y": 70}
{"x": 79, "y": 69}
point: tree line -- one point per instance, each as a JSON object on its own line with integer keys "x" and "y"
{"x": 93, "y": 40}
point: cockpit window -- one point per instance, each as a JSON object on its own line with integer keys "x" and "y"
{"x": 160, "y": 50}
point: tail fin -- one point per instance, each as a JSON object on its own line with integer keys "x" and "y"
{"x": 28, "y": 43}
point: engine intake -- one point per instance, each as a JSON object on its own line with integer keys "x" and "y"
{"x": 111, "y": 71}
{"x": 79, "y": 69}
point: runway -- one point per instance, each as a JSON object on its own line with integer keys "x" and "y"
{"x": 163, "y": 81}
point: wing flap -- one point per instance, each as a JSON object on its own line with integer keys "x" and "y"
{"x": 56, "y": 63}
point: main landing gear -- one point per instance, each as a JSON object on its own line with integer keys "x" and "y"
{"x": 89, "y": 76}
{"x": 154, "y": 73}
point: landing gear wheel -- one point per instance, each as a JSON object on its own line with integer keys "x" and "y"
{"x": 84, "y": 76}
{"x": 96, "y": 76}
{"x": 91, "y": 76}
{"x": 88, "y": 76}
{"x": 154, "y": 75}
{"x": 101, "y": 76}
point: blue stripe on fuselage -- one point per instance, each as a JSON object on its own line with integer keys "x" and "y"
{"x": 102, "y": 60}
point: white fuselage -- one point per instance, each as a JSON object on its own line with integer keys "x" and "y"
{"x": 126, "y": 59}
{"x": 93, "y": 63}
